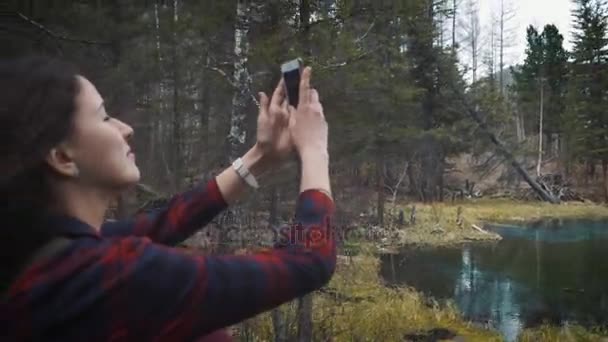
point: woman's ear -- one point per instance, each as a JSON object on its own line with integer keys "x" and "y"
{"x": 60, "y": 159}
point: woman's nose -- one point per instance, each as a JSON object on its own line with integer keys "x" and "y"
{"x": 126, "y": 130}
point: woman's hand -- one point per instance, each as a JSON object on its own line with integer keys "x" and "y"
{"x": 309, "y": 135}
{"x": 309, "y": 128}
{"x": 273, "y": 135}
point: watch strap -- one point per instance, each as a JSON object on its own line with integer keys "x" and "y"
{"x": 244, "y": 173}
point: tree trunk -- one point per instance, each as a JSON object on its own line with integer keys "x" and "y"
{"x": 502, "y": 46}
{"x": 278, "y": 316}
{"x": 305, "y": 303}
{"x": 441, "y": 180}
{"x": 238, "y": 124}
{"x": 518, "y": 131}
{"x": 305, "y": 318}
{"x": 454, "y": 12}
{"x": 540, "y": 132}
{"x": 605, "y": 179}
{"x": 177, "y": 153}
{"x": 205, "y": 108}
{"x": 473, "y": 36}
{"x": 279, "y": 325}
{"x": 380, "y": 187}
{"x": 158, "y": 123}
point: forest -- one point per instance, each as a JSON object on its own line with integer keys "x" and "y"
{"x": 433, "y": 131}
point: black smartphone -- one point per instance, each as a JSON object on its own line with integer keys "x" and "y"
{"x": 291, "y": 71}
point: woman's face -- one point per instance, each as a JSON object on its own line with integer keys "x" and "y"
{"x": 98, "y": 146}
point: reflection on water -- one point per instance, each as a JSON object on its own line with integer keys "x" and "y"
{"x": 554, "y": 271}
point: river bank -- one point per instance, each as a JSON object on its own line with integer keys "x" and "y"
{"x": 358, "y": 306}
{"x": 453, "y": 223}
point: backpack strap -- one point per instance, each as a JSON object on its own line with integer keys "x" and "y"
{"x": 52, "y": 247}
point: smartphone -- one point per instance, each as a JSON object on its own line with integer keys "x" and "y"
{"x": 291, "y": 71}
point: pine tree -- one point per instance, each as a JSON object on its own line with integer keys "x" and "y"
{"x": 589, "y": 76}
{"x": 555, "y": 68}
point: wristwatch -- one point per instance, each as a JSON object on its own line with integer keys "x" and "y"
{"x": 242, "y": 171}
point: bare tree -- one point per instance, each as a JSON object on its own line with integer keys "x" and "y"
{"x": 177, "y": 141}
{"x": 443, "y": 15}
{"x": 491, "y": 44}
{"x": 507, "y": 34}
{"x": 540, "y": 127}
{"x": 472, "y": 34}
{"x": 455, "y": 5}
{"x": 241, "y": 80}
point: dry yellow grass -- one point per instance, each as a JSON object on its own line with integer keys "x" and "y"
{"x": 572, "y": 333}
{"x": 437, "y": 224}
{"x": 376, "y": 313}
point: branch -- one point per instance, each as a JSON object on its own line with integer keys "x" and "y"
{"x": 348, "y": 61}
{"x": 366, "y": 32}
{"x": 229, "y": 80}
{"x": 58, "y": 36}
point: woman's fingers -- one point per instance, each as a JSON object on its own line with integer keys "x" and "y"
{"x": 304, "y": 97}
{"x": 279, "y": 94}
{"x": 285, "y": 113}
{"x": 263, "y": 103}
{"x": 314, "y": 95}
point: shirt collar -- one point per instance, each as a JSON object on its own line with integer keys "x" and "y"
{"x": 68, "y": 225}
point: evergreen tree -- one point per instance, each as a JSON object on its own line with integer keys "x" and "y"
{"x": 590, "y": 77}
{"x": 555, "y": 70}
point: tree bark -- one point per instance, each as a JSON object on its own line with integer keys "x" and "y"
{"x": 177, "y": 153}
{"x": 502, "y": 46}
{"x": 540, "y": 131}
{"x": 380, "y": 187}
{"x": 473, "y": 35}
{"x": 278, "y": 316}
{"x": 158, "y": 123}
{"x": 454, "y": 15}
{"x": 305, "y": 318}
{"x": 238, "y": 124}
{"x": 605, "y": 179}
{"x": 305, "y": 303}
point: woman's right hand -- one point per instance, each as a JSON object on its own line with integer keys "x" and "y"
{"x": 308, "y": 126}
{"x": 308, "y": 130}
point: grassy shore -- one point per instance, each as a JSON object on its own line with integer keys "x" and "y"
{"x": 358, "y": 306}
{"x": 361, "y": 308}
{"x": 449, "y": 223}
{"x": 567, "y": 333}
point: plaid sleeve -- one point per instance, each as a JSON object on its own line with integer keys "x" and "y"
{"x": 131, "y": 289}
{"x": 185, "y": 213}
{"x": 195, "y": 295}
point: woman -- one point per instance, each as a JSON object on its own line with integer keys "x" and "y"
{"x": 72, "y": 277}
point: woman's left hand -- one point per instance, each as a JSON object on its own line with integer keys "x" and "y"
{"x": 273, "y": 136}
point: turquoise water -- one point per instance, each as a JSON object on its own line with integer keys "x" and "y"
{"x": 551, "y": 271}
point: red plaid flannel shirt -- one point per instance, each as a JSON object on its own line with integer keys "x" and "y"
{"x": 125, "y": 282}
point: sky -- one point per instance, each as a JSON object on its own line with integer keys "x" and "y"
{"x": 529, "y": 12}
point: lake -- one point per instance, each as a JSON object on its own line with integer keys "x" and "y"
{"x": 552, "y": 271}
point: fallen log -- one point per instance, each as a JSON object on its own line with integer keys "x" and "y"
{"x": 502, "y": 149}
